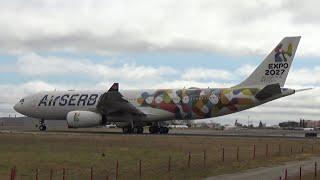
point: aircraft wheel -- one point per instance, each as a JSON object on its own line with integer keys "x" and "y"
{"x": 135, "y": 130}
{"x": 42, "y": 128}
{"x": 140, "y": 130}
{"x": 154, "y": 129}
{"x": 166, "y": 130}
{"x": 162, "y": 130}
{"x": 151, "y": 130}
{"x": 126, "y": 130}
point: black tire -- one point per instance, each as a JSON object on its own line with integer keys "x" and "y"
{"x": 126, "y": 130}
{"x": 166, "y": 130}
{"x": 42, "y": 128}
{"x": 151, "y": 130}
{"x": 154, "y": 129}
{"x": 140, "y": 130}
{"x": 162, "y": 130}
{"x": 157, "y": 130}
{"x": 136, "y": 130}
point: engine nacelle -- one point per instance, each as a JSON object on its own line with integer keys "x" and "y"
{"x": 76, "y": 119}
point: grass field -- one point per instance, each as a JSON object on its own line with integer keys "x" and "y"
{"x": 77, "y": 153}
{"x": 305, "y": 176}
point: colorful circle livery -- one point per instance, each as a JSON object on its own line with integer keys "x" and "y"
{"x": 199, "y": 103}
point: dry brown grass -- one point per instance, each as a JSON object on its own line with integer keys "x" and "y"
{"x": 305, "y": 176}
{"x": 78, "y": 152}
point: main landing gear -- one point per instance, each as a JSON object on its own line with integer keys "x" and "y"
{"x": 158, "y": 130}
{"x": 135, "y": 130}
{"x": 42, "y": 126}
{"x": 152, "y": 130}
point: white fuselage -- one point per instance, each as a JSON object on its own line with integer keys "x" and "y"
{"x": 157, "y": 105}
{"x": 55, "y": 105}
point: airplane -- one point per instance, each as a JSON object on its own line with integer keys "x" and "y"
{"x": 132, "y": 110}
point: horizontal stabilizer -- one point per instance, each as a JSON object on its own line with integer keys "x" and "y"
{"x": 268, "y": 91}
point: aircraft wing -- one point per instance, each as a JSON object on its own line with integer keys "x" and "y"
{"x": 112, "y": 101}
{"x": 306, "y": 89}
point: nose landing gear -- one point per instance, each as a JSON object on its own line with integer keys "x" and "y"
{"x": 42, "y": 126}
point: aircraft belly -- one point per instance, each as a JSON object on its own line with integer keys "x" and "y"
{"x": 153, "y": 114}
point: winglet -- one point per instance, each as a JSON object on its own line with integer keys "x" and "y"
{"x": 114, "y": 87}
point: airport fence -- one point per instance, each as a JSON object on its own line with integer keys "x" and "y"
{"x": 301, "y": 173}
{"x": 174, "y": 166}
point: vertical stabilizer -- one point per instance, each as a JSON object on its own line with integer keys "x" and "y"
{"x": 275, "y": 67}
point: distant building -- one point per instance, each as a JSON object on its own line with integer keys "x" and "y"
{"x": 206, "y": 125}
{"x": 275, "y": 126}
{"x": 310, "y": 123}
{"x": 289, "y": 124}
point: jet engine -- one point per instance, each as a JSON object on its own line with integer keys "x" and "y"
{"x": 76, "y": 119}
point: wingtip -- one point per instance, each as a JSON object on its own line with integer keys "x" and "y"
{"x": 114, "y": 87}
{"x": 298, "y": 37}
{"x": 305, "y": 89}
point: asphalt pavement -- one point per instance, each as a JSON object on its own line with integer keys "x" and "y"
{"x": 270, "y": 173}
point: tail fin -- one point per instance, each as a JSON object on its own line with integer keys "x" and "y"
{"x": 275, "y": 67}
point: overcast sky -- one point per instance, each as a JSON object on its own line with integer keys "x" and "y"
{"x": 58, "y": 44}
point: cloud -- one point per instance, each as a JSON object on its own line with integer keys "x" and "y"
{"x": 10, "y": 93}
{"x": 39, "y": 67}
{"x": 132, "y": 76}
{"x": 232, "y": 27}
{"x": 306, "y": 13}
{"x": 245, "y": 70}
{"x": 206, "y": 74}
{"x": 305, "y": 76}
{"x": 6, "y": 68}
{"x": 36, "y": 65}
{"x": 43, "y": 67}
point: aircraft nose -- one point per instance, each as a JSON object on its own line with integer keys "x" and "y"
{"x": 16, "y": 107}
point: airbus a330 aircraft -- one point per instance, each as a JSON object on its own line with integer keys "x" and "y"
{"x": 134, "y": 109}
